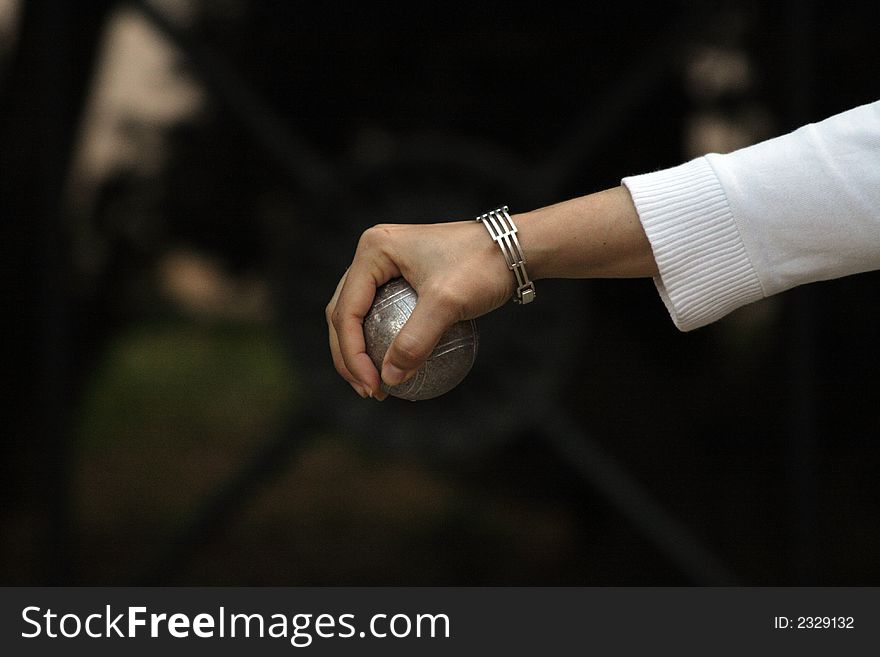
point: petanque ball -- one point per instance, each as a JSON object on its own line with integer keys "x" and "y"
{"x": 447, "y": 365}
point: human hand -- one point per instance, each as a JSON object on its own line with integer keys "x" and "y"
{"x": 460, "y": 273}
{"x": 457, "y": 271}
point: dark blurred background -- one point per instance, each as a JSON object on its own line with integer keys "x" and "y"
{"x": 182, "y": 182}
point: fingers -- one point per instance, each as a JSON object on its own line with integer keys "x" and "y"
{"x": 372, "y": 266}
{"x": 355, "y": 297}
{"x": 425, "y": 255}
{"x": 335, "y": 352}
{"x": 339, "y": 364}
{"x": 354, "y": 302}
{"x": 433, "y": 315}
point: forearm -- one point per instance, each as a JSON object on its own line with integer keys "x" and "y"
{"x": 727, "y": 230}
{"x": 593, "y": 236}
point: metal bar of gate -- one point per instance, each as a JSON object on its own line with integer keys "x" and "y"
{"x": 304, "y": 165}
{"x": 634, "y": 502}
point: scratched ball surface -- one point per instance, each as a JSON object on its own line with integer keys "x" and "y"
{"x": 447, "y": 365}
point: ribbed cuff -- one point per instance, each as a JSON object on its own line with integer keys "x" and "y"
{"x": 705, "y": 271}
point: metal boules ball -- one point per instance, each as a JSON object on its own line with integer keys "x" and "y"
{"x": 447, "y": 365}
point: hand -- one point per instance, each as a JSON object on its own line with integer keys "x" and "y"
{"x": 459, "y": 273}
{"x": 456, "y": 269}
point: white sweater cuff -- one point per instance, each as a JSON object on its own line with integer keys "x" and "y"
{"x": 705, "y": 270}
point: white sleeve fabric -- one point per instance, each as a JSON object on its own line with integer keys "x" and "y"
{"x": 727, "y": 230}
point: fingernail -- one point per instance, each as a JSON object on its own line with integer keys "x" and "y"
{"x": 392, "y": 375}
{"x": 362, "y": 391}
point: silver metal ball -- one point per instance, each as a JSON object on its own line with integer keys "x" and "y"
{"x": 447, "y": 365}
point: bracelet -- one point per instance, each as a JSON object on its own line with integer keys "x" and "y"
{"x": 503, "y": 232}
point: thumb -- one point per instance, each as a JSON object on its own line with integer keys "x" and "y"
{"x": 416, "y": 340}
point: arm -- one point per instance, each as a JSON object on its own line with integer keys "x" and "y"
{"x": 727, "y": 230}
{"x": 716, "y": 233}
{"x": 459, "y": 273}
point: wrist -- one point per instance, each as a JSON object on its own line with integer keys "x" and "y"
{"x": 594, "y": 236}
{"x": 535, "y": 245}
{"x": 503, "y": 231}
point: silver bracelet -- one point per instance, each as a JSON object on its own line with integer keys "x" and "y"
{"x": 503, "y": 231}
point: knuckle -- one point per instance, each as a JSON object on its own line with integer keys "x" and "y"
{"x": 336, "y": 318}
{"x": 341, "y": 369}
{"x": 373, "y": 237}
{"x": 408, "y": 350}
{"x": 447, "y": 298}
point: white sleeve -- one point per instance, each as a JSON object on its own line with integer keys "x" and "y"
{"x": 727, "y": 230}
